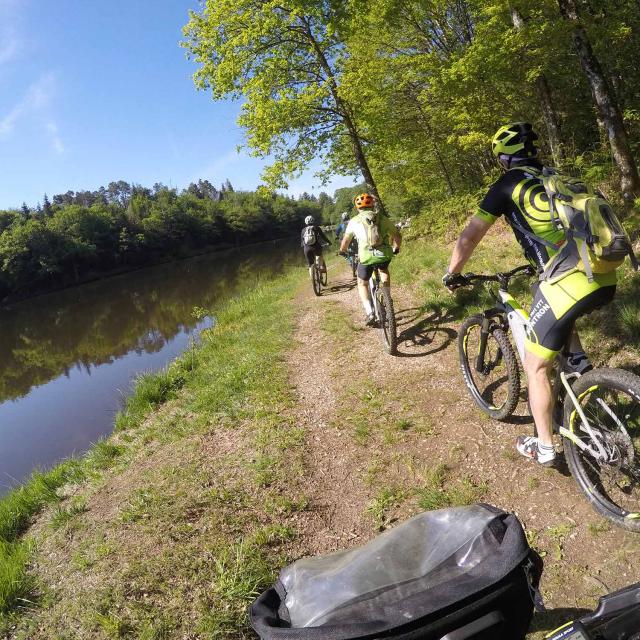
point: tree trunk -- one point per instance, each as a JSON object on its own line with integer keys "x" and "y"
{"x": 608, "y": 107}
{"x": 544, "y": 95}
{"x": 346, "y": 115}
{"x": 550, "y": 119}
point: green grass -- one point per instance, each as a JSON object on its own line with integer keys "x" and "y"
{"x": 440, "y": 491}
{"x": 598, "y": 528}
{"x": 629, "y": 319}
{"x": 203, "y": 535}
{"x": 15, "y": 582}
{"x": 151, "y": 390}
{"x": 18, "y": 507}
{"x": 558, "y": 534}
{"x": 383, "y": 503}
{"x": 422, "y": 268}
{"x": 62, "y": 514}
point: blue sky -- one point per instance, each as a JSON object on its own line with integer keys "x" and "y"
{"x": 92, "y": 92}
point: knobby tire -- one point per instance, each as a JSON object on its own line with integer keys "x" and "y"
{"x": 315, "y": 280}
{"x": 387, "y": 320}
{"x": 508, "y": 357}
{"x": 590, "y": 475}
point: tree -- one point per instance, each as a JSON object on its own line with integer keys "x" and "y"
{"x": 46, "y": 206}
{"x": 285, "y": 60}
{"x": 544, "y": 94}
{"x": 25, "y": 211}
{"x": 605, "y": 99}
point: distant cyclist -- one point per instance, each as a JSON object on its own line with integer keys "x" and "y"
{"x": 520, "y": 197}
{"x": 378, "y": 241}
{"x": 312, "y": 238}
{"x": 341, "y": 228}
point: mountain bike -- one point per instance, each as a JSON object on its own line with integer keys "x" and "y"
{"x": 318, "y": 275}
{"x": 597, "y": 414}
{"x": 383, "y": 311}
{"x": 317, "y": 280}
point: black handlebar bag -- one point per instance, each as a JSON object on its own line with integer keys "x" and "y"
{"x": 452, "y": 574}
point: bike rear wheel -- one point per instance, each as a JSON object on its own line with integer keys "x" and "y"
{"x": 315, "y": 280}
{"x": 496, "y": 387}
{"x": 354, "y": 266}
{"x": 387, "y": 320}
{"x": 610, "y": 400}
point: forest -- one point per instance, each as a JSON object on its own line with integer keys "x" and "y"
{"x": 407, "y": 94}
{"x": 76, "y": 235}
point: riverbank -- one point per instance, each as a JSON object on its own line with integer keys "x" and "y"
{"x": 154, "y": 481}
{"x": 290, "y": 432}
{"x": 160, "y": 259}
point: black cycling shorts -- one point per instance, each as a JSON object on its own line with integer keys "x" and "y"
{"x": 365, "y": 270}
{"x": 548, "y": 334}
{"x": 310, "y": 254}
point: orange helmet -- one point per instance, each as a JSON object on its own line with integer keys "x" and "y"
{"x": 363, "y": 201}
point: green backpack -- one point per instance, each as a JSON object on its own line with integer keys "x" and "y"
{"x": 372, "y": 226}
{"x": 595, "y": 241}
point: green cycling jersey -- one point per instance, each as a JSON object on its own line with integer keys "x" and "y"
{"x": 358, "y": 229}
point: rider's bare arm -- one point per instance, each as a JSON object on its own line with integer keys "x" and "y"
{"x": 467, "y": 242}
{"x": 346, "y": 241}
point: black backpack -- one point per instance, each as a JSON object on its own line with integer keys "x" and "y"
{"x": 454, "y": 574}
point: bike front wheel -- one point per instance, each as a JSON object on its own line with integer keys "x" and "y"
{"x": 387, "y": 320}
{"x": 316, "y": 280}
{"x": 323, "y": 276}
{"x": 354, "y": 267}
{"x": 610, "y": 400}
{"x": 494, "y": 383}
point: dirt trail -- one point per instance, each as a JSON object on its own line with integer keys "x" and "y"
{"x": 379, "y": 425}
{"x": 333, "y": 485}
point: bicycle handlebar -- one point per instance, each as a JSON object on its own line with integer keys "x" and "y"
{"x": 501, "y": 278}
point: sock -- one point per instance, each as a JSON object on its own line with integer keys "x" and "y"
{"x": 368, "y": 309}
{"x": 545, "y": 452}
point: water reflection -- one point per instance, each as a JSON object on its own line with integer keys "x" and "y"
{"x": 66, "y": 358}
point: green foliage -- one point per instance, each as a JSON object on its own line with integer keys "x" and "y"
{"x": 86, "y": 233}
{"x": 421, "y": 86}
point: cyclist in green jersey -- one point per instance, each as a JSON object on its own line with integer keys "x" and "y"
{"x": 520, "y": 197}
{"x": 378, "y": 241}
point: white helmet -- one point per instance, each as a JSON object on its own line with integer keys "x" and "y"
{"x": 308, "y": 220}
{"x": 345, "y": 216}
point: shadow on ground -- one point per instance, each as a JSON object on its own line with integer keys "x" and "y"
{"x": 339, "y": 287}
{"x": 423, "y": 335}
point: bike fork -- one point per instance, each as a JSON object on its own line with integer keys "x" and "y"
{"x": 482, "y": 348}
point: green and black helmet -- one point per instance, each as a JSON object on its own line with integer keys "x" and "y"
{"x": 515, "y": 139}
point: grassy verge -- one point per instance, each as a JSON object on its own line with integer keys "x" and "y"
{"x": 177, "y": 521}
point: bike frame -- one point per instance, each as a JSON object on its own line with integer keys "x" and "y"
{"x": 374, "y": 283}
{"x": 512, "y": 316}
